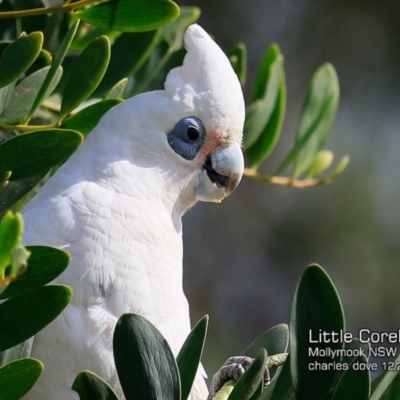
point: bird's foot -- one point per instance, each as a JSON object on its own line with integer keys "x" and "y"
{"x": 233, "y": 368}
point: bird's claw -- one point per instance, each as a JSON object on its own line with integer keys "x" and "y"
{"x": 233, "y": 368}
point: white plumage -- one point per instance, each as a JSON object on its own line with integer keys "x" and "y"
{"x": 116, "y": 207}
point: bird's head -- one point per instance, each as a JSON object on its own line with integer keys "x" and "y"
{"x": 189, "y": 134}
{"x": 208, "y": 95}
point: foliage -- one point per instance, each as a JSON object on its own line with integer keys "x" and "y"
{"x": 61, "y": 69}
{"x": 29, "y": 305}
{"x": 136, "y": 339}
{"x": 65, "y": 82}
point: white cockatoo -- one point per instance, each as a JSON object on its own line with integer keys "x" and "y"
{"x": 116, "y": 206}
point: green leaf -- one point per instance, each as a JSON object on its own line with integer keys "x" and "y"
{"x": 18, "y": 377}
{"x": 187, "y": 16}
{"x": 251, "y": 379}
{"x": 18, "y": 56}
{"x": 320, "y": 164}
{"x": 15, "y": 190}
{"x": 11, "y": 228}
{"x": 282, "y": 387}
{"x": 52, "y": 75}
{"x": 85, "y": 120}
{"x": 190, "y": 355}
{"x": 340, "y": 167}
{"x": 86, "y": 74}
{"x": 44, "y": 265}
{"x": 316, "y": 308}
{"x": 19, "y": 257}
{"x": 354, "y": 384}
{"x": 392, "y": 391}
{"x": 24, "y": 95}
{"x": 22, "y": 317}
{"x": 274, "y": 341}
{"x": 317, "y": 116}
{"x": 238, "y": 59}
{"x": 145, "y": 364}
{"x": 267, "y": 88}
{"x": 117, "y": 91}
{"x": 128, "y": 54}
{"x": 358, "y": 354}
{"x": 5, "y": 95}
{"x": 384, "y": 385}
{"x": 89, "y": 386}
{"x": 268, "y": 138}
{"x": 130, "y": 16}
{"x": 260, "y": 86}
{"x": 35, "y": 152}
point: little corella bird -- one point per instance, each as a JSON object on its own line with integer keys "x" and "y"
{"x": 116, "y": 207}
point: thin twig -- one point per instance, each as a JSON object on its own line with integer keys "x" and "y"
{"x": 46, "y": 10}
{"x": 287, "y": 181}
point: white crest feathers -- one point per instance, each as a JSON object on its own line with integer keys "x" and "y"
{"x": 207, "y": 82}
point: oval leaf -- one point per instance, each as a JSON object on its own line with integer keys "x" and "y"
{"x": 282, "y": 387}
{"x": 85, "y": 120}
{"x": 58, "y": 59}
{"x": 18, "y": 57}
{"x": 317, "y": 116}
{"x": 251, "y": 379}
{"x": 117, "y": 91}
{"x": 320, "y": 164}
{"x": 274, "y": 341}
{"x": 44, "y": 265}
{"x": 190, "y": 355}
{"x": 18, "y": 377}
{"x": 11, "y": 228}
{"x": 24, "y": 95}
{"x": 15, "y": 190}
{"x": 269, "y": 136}
{"x": 35, "y": 152}
{"x": 22, "y": 317}
{"x": 316, "y": 308}
{"x": 5, "y": 95}
{"x": 86, "y": 74}
{"x": 265, "y": 95}
{"x": 238, "y": 59}
{"x": 384, "y": 385}
{"x": 354, "y": 384}
{"x": 145, "y": 364}
{"x": 89, "y": 386}
{"x": 131, "y": 16}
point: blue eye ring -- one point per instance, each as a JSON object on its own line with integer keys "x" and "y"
{"x": 187, "y": 137}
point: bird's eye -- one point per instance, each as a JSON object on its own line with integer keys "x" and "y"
{"x": 187, "y": 137}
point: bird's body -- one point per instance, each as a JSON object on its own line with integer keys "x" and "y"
{"x": 116, "y": 207}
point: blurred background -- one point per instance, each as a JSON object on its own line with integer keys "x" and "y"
{"x": 243, "y": 258}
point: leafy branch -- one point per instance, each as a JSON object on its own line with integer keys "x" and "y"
{"x": 264, "y": 120}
